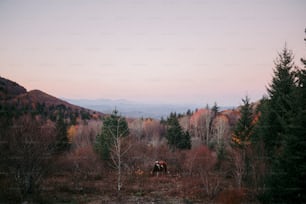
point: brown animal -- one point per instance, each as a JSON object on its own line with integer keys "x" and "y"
{"x": 159, "y": 167}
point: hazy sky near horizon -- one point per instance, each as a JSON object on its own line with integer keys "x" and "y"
{"x": 171, "y": 51}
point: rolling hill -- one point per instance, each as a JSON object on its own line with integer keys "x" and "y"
{"x": 15, "y": 100}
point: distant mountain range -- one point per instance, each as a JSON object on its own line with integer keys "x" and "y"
{"x": 135, "y": 109}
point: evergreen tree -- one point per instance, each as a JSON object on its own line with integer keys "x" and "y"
{"x": 215, "y": 109}
{"x": 187, "y": 141}
{"x": 162, "y": 121}
{"x": 242, "y": 136}
{"x": 276, "y": 128}
{"x": 176, "y": 137}
{"x": 188, "y": 113}
{"x": 292, "y": 159}
{"x": 279, "y": 105}
{"x": 244, "y": 127}
{"x": 113, "y": 126}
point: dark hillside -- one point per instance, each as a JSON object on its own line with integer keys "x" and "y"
{"x": 15, "y": 101}
{"x": 10, "y": 89}
{"x": 40, "y": 97}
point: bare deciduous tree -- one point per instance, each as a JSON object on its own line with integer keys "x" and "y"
{"x": 115, "y": 128}
{"x": 201, "y": 124}
{"x": 220, "y": 130}
{"x": 85, "y": 134}
{"x": 30, "y": 147}
{"x": 136, "y": 128}
{"x": 238, "y": 161}
{"x": 117, "y": 153}
{"x": 201, "y": 162}
{"x": 208, "y": 119}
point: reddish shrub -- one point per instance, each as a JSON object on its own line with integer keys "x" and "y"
{"x": 199, "y": 159}
{"x": 231, "y": 196}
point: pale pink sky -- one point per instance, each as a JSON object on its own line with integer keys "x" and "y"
{"x": 170, "y": 51}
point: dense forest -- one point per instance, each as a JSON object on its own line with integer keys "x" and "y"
{"x": 54, "y": 152}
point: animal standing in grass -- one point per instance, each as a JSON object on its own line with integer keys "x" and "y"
{"x": 159, "y": 167}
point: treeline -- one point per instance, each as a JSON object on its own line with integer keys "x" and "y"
{"x": 15, "y": 109}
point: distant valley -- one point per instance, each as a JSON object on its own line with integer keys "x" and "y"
{"x": 136, "y": 109}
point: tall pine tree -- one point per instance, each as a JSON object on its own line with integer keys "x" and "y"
{"x": 176, "y": 137}
{"x": 292, "y": 161}
{"x": 277, "y": 115}
{"x": 280, "y": 103}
